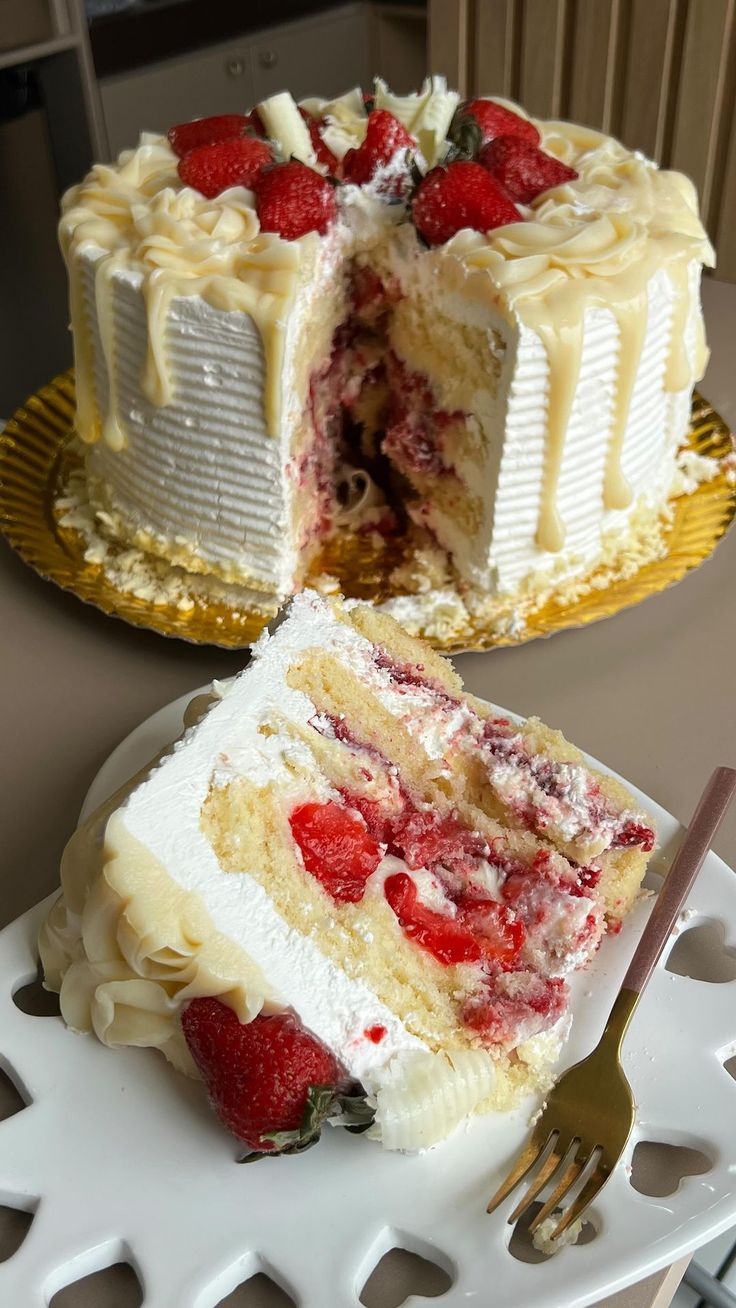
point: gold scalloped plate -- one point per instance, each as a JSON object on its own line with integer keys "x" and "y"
{"x": 36, "y": 457}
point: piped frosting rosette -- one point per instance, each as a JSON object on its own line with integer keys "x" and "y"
{"x": 126, "y": 948}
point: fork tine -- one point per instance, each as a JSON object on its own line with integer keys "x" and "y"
{"x": 523, "y": 1164}
{"x": 567, "y": 1180}
{"x": 586, "y": 1197}
{"x": 548, "y": 1168}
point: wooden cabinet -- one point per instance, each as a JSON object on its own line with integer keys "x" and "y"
{"x": 213, "y": 81}
{"x": 323, "y": 55}
{"x": 658, "y": 74}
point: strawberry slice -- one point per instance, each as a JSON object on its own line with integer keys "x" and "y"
{"x": 293, "y": 199}
{"x": 496, "y": 120}
{"x": 337, "y": 848}
{"x": 322, "y": 151}
{"x": 212, "y": 169}
{"x": 271, "y": 1082}
{"x": 206, "y": 131}
{"x": 457, "y": 196}
{"x": 522, "y": 169}
{"x": 446, "y": 938}
{"x": 385, "y": 135}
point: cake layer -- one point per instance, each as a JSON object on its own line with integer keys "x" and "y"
{"x": 539, "y": 374}
{"x": 347, "y": 836}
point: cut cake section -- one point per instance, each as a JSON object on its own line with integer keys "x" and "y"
{"x": 348, "y": 836}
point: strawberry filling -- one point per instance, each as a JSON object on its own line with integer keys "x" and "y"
{"x": 336, "y": 848}
{"x": 543, "y": 792}
{"x": 375, "y": 1034}
{"x": 516, "y": 1006}
{"x": 370, "y": 414}
{"x": 414, "y": 438}
{"x": 634, "y": 833}
{"x": 448, "y": 940}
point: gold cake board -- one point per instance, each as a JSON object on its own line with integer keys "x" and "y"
{"x": 38, "y": 454}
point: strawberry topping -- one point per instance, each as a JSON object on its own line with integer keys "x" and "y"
{"x": 206, "y": 131}
{"x": 446, "y": 938}
{"x": 260, "y": 1075}
{"x": 322, "y": 151}
{"x": 495, "y": 120}
{"x": 293, "y": 199}
{"x": 457, "y": 196}
{"x": 522, "y": 169}
{"x": 234, "y": 162}
{"x": 337, "y": 848}
{"x": 385, "y": 135}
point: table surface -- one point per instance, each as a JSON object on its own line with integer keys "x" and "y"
{"x": 648, "y": 691}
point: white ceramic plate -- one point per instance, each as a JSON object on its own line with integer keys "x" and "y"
{"x": 120, "y": 1157}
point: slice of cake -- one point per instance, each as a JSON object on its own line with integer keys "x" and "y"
{"x": 348, "y": 843}
{"x": 482, "y": 338}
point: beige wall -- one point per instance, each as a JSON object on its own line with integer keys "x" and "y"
{"x": 659, "y": 74}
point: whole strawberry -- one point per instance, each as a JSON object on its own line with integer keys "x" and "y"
{"x": 270, "y": 1081}
{"x": 456, "y": 196}
{"x": 385, "y": 135}
{"x": 206, "y": 131}
{"x": 323, "y": 152}
{"x": 496, "y": 120}
{"x": 293, "y": 199}
{"x": 523, "y": 170}
{"x": 234, "y": 162}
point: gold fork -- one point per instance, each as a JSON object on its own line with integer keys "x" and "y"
{"x": 588, "y": 1117}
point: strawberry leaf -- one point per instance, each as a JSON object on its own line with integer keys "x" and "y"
{"x": 356, "y": 1114}
{"x": 465, "y": 136}
{"x": 348, "y": 1107}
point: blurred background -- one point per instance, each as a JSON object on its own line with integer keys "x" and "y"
{"x": 79, "y": 81}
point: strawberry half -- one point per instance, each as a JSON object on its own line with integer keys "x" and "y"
{"x": 385, "y": 135}
{"x": 322, "y": 151}
{"x": 234, "y": 162}
{"x": 522, "y": 169}
{"x": 495, "y": 120}
{"x": 206, "y": 131}
{"x": 460, "y": 195}
{"x": 293, "y": 199}
{"x": 448, "y": 939}
{"x": 271, "y": 1082}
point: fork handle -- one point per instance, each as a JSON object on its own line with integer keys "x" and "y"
{"x": 688, "y": 861}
